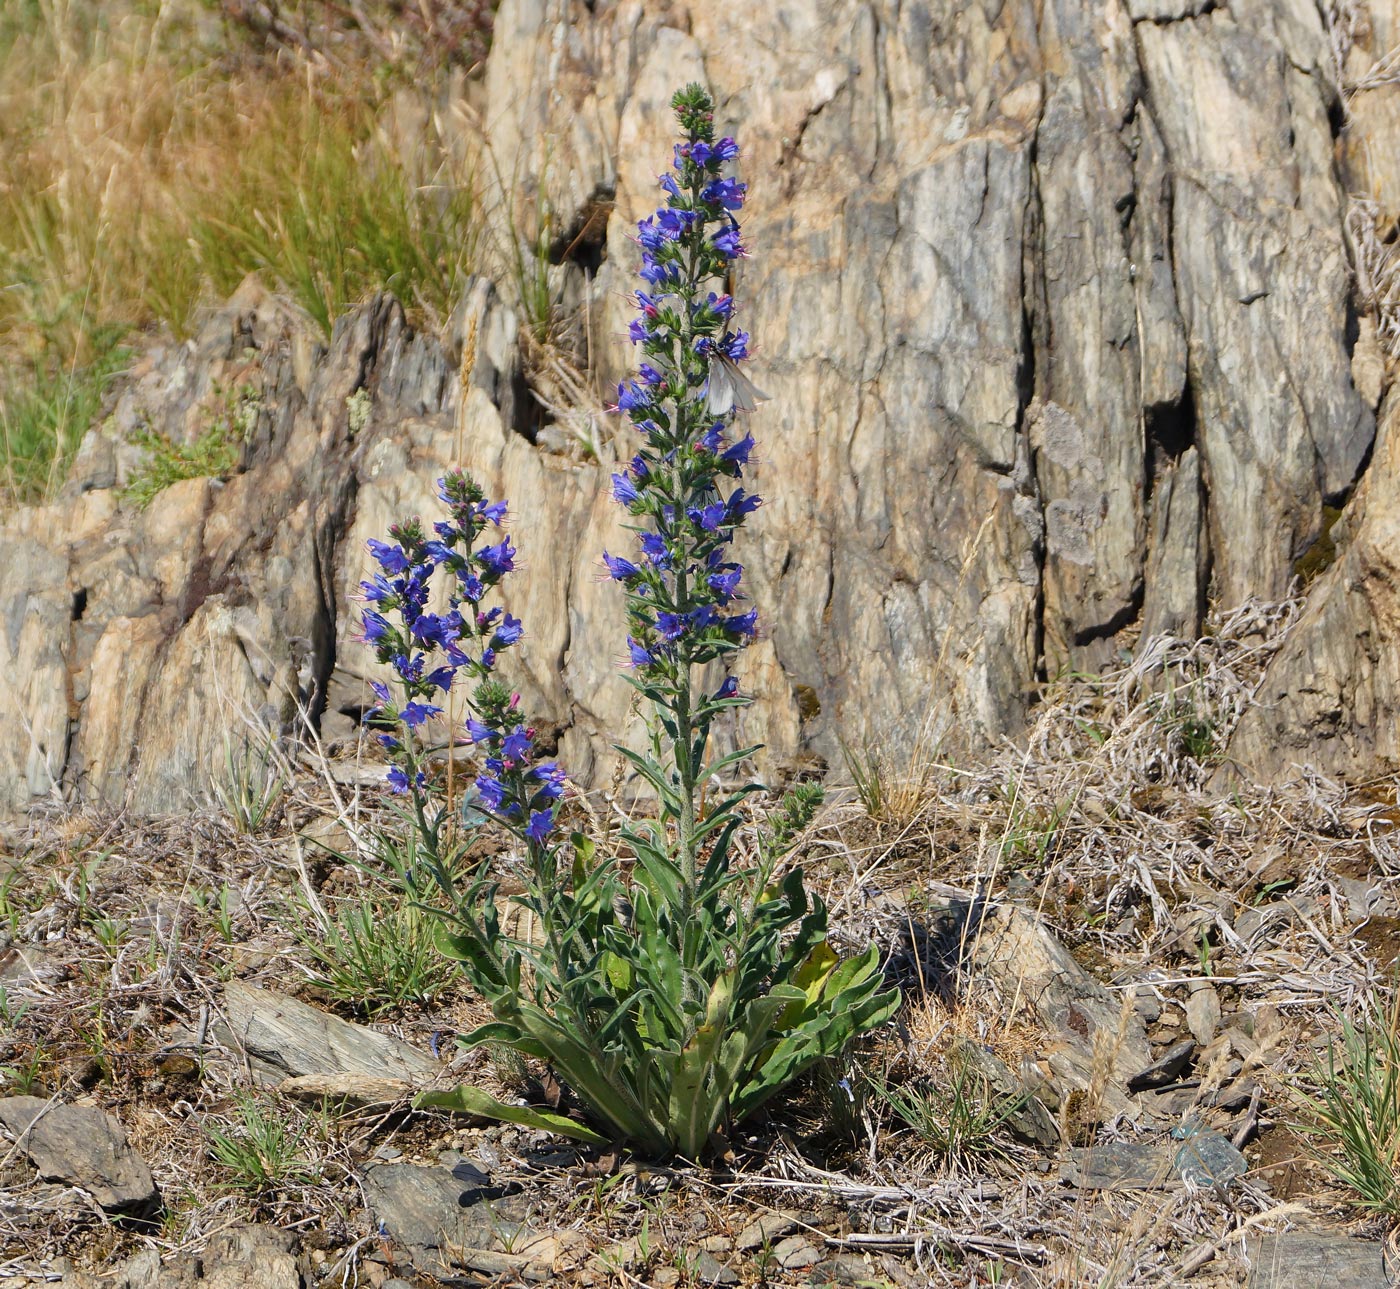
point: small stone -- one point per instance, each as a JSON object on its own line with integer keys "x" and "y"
{"x": 709, "y": 1270}
{"x": 716, "y": 1244}
{"x": 794, "y": 1253}
{"x": 346, "y": 1090}
{"x": 665, "y": 1277}
{"x": 1203, "y": 1011}
{"x": 766, "y": 1229}
{"x": 1165, "y": 1068}
{"x": 82, "y": 1146}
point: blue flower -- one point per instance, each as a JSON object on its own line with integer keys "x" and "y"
{"x": 441, "y": 678}
{"x": 389, "y": 743}
{"x": 726, "y": 149}
{"x": 735, "y": 345}
{"x": 541, "y": 824}
{"x": 709, "y": 517}
{"x": 516, "y": 745}
{"x": 640, "y": 470}
{"x": 651, "y": 237}
{"x": 638, "y": 654}
{"x": 728, "y": 243}
{"x": 728, "y": 193}
{"x": 738, "y": 454}
{"x": 711, "y": 439}
{"x": 660, "y": 274}
{"x": 376, "y": 626}
{"x": 623, "y": 491}
{"x": 650, "y": 375}
{"x": 638, "y": 332}
{"x": 725, "y": 585}
{"x": 497, "y": 559}
{"x": 620, "y": 569}
{"x": 671, "y": 625}
{"x": 551, "y": 780}
{"x": 654, "y": 548}
{"x": 495, "y": 511}
{"x": 478, "y": 732}
{"x": 631, "y": 397}
{"x": 675, "y": 223}
{"x": 433, "y": 629}
{"x": 493, "y": 792}
{"x": 415, "y": 714}
{"x": 378, "y": 590}
{"x": 507, "y": 633}
{"x": 391, "y": 558}
{"x": 730, "y": 689}
{"x": 742, "y": 503}
{"x": 381, "y": 690}
{"x": 746, "y": 624}
{"x": 398, "y": 780}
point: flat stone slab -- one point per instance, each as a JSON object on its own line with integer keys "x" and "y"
{"x": 82, "y": 1146}
{"x": 1120, "y": 1166}
{"x": 284, "y": 1037}
{"x": 448, "y": 1219}
{"x": 1314, "y": 1259}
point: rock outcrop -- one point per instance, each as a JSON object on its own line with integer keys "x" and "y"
{"x": 1058, "y": 308}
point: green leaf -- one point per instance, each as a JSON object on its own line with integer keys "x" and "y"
{"x": 469, "y": 1100}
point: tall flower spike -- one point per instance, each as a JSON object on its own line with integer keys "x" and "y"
{"x": 688, "y": 388}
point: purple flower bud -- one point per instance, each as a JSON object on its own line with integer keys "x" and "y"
{"x": 730, "y": 689}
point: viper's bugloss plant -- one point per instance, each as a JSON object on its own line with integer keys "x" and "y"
{"x": 677, "y": 987}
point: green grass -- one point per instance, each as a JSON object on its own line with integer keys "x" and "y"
{"x": 1355, "y": 1117}
{"x": 377, "y": 953}
{"x": 259, "y": 1151}
{"x": 44, "y": 414}
{"x": 959, "y": 1115}
{"x": 213, "y": 455}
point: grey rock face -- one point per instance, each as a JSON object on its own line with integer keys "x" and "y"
{"x": 1056, "y": 307}
{"x": 82, "y": 1146}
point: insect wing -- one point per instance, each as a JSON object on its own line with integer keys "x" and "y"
{"x": 730, "y": 389}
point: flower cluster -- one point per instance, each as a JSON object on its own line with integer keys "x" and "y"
{"x": 427, "y": 652}
{"x": 684, "y": 597}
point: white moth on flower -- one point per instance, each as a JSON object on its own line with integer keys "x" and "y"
{"x": 729, "y": 389}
